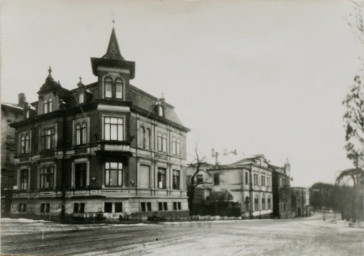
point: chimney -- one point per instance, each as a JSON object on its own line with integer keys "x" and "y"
{"x": 21, "y": 99}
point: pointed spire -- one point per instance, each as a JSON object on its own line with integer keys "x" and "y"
{"x": 113, "y": 51}
{"x": 50, "y": 71}
{"x": 80, "y": 84}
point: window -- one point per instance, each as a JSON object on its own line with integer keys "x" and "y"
{"x": 216, "y": 179}
{"x": 25, "y": 143}
{"x": 178, "y": 147}
{"x": 160, "y": 110}
{"x": 27, "y": 114}
{"x": 263, "y": 202}
{"x": 146, "y": 207}
{"x": 269, "y": 202}
{"x": 24, "y": 177}
{"x": 144, "y": 135}
{"x": 108, "y": 87}
{"x": 48, "y": 105}
{"x": 108, "y": 207}
{"x": 159, "y": 142}
{"x": 177, "y": 206}
{"x": 165, "y": 206}
{"x": 142, "y": 206}
{"x": 176, "y": 179}
{"x": 48, "y": 138}
{"x": 256, "y": 203}
{"x": 80, "y": 175}
{"x": 22, "y": 207}
{"x": 46, "y": 177}
{"x": 144, "y": 176}
{"x": 81, "y": 133}
{"x": 268, "y": 182}
{"x": 119, "y": 88}
{"x": 160, "y": 206}
{"x": 164, "y": 143}
{"x": 256, "y": 179}
{"x": 148, "y": 137}
{"x": 161, "y": 178}
{"x": 246, "y": 178}
{"x": 81, "y": 98}
{"x": 118, "y": 207}
{"x": 113, "y": 128}
{"x": 174, "y": 146}
{"x": 199, "y": 179}
{"x": 113, "y": 174}
{"x": 44, "y": 208}
{"x": 262, "y": 180}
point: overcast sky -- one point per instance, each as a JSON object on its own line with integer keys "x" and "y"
{"x": 262, "y": 77}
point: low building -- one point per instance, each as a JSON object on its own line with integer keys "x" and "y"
{"x": 247, "y": 182}
{"x": 107, "y": 148}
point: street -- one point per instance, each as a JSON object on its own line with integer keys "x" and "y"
{"x": 305, "y": 236}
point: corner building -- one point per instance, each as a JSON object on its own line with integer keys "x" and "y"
{"x": 105, "y": 148}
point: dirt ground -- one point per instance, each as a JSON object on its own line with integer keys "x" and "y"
{"x": 308, "y": 236}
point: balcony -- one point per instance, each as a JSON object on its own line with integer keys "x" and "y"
{"x": 113, "y": 149}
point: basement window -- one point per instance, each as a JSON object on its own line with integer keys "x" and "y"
{"x": 108, "y": 207}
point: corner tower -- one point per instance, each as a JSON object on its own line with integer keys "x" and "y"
{"x": 113, "y": 72}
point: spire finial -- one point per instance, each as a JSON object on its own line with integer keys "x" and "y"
{"x": 80, "y": 79}
{"x": 50, "y": 71}
{"x": 113, "y": 20}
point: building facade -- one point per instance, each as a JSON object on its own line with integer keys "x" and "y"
{"x": 9, "y": 113}
{"x": 247, "y": 182}
{"x": 281, "y": 191}
{"x": 300, "y": 201}
{"x": 105, "y": 148}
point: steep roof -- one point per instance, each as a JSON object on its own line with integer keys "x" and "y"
{"x": 113, "y": 51}
{"x": 147, "y": 102}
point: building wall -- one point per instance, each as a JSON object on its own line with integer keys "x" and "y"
{"x": 9, "y": 114}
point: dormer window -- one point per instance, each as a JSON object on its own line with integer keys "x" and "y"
{"x": 81, "y": 98}
{"x": 48, "y": 105}
{"x": 119, "y": 88}
{"x": 160, "y": 110}
{"x": 27, "y": 113}
{"x": 108, "y": 87}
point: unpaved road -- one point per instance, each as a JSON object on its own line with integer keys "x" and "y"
{"x": 310, "y": 236}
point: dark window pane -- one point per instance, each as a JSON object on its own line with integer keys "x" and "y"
{"x": 118, "y": 207}
{"x": 108, "y": 207}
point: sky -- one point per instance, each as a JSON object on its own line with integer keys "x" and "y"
{"x": 261, "y": 77}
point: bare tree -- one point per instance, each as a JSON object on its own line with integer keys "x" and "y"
{"x": 354, "y": 100}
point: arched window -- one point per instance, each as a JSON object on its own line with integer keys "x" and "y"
{"x": 142, "y": 137}
{"x": 119, "y": 88}
{"x": 84, "y": 133}
{"x": 108, "y": 87}
{"x": 78, "y": 134}
{"x": 81, "y": 98}
{"x": 164, "y": 143}
{"x": 148, "y": 139}
{"x": 159, "y": 142}
{"x": 48, "y": 105}
{"x": 160, "y": 110}
{"x": 27, "y": 143}
{"x": 22, "y": 144}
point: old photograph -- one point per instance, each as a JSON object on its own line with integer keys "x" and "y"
{"x": 187, "y": 127}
